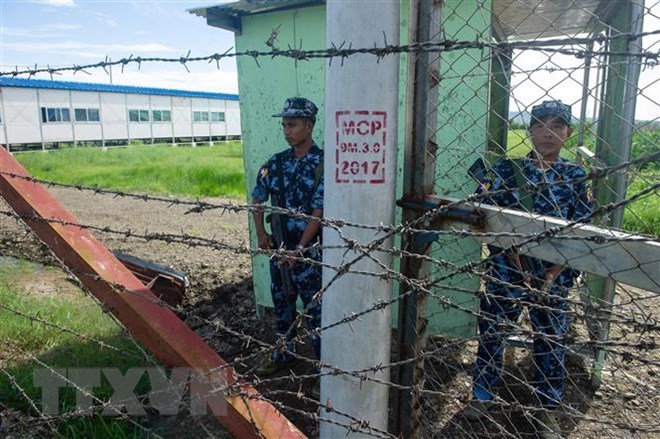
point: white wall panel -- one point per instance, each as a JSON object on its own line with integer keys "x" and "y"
{"x": 201, "y": 129}
{"x": 218, "y": 128}
{"x": 113, "y": 116}
{"x": 139, "y": 130}
{"x": 54, "y": 98}
{"x": 58, "y": 132}
{"x": 84, "y": 99}
{"x": 22, "y": 115}
{"x": 138, "y": 101}
{"x": 160, "y": 102}
{"x": 181, "y": 117}
{"x": 87, "y": 131}
{"x": 162, "y": 129}
{"x": 233, "y": 118}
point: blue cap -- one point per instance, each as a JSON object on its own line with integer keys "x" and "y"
{"x": 299, "y": 107}
{"x": 551, "y": 109}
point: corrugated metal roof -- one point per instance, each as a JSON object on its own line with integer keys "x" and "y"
{"x": 251, "y": 7}
{"x": 533, "y": 19}
{"x": 513, "y": 19}
{"x": 110, "y": 88}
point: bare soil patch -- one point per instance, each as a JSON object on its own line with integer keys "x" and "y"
{"x": 45, "y": 282}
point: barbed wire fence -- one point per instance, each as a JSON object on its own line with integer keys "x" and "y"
{"x": 189, "y": 241}
{"x": 448, "y": 269}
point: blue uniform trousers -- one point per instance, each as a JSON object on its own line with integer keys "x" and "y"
{"x": 501, "y": 309}
{"x": 306, "y": 282}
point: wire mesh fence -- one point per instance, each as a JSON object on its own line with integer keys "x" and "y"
{"x": 516, "y": 319}
{"x": 533, "y": 355}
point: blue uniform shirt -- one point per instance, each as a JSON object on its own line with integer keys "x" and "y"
{"x": 303, "y": 186}
{"x": 562, "y": 198}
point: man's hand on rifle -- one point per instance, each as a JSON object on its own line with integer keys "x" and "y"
{"x": 527, "y": 276}
{"x": 550, "y": 276}
{"x": 293, "y": 259}
{"x": 265, "y": 241}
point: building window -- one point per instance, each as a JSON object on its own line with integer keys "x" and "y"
{"x": 205, "y": 116}
{"x": 200, "y": 116}
{"x": 53, "y": 115}
{"x": 217, "y": 116}
{"x": 162, "y": 115}
{"x": 138, "y": 115}
{"x": 87, "y": 115}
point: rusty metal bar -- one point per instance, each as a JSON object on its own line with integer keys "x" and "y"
{"x": 467, "y": 215}
{"x": 622, "y": 257}
{"x": 155, "y": 326}
{"x": 419, "y": 181}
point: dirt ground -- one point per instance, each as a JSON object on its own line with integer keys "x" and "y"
{"x": 221, "y": 293}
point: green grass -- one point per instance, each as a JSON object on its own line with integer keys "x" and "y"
{"x": 57, "y": 348}
{"x": 643, "y": 216}
{"x": 197, "y": 172}
{"x": 518, "y": 144}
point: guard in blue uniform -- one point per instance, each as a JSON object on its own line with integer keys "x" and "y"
{"x": 561, "y": 192}
{"x": 293, "y": 179}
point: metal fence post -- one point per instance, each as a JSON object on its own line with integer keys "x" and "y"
{"x": 613, "y": 147}
{"x": 419, "y": 178}
{"x": 500, "y": 92}
{"x": 585, "y": 94}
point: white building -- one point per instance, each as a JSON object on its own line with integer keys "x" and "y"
{"x": 42, "y": 113}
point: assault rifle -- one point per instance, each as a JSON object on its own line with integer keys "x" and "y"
{"x": 478, "y": 172}
{"x": 278, "y": 226}
{"x": 279, "y": 229}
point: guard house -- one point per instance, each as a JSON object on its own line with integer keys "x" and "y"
{"x": 473, "y": 97}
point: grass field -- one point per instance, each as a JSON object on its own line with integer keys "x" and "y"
{"x": 643, "y": 216}
{"x": 198, "y": 172}
{"x": 57, "y": 348}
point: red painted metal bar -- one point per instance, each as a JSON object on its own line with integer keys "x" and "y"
{"x": 156, "y": 327}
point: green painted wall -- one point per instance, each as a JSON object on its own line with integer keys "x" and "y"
{"x": 462, "y": 138}
{"x": 263, "y": 91}
{"x": 462, "y": 135}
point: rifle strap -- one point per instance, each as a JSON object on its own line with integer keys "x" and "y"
{"x": 318, "y": 173}
{"x": 525, "y": 264}
{"x": 526, "y": 199}
{"x": 280, "y": 181}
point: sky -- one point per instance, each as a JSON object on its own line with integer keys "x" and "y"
{"x": 533, "y": 80}
{"x": 67, "y": 32}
